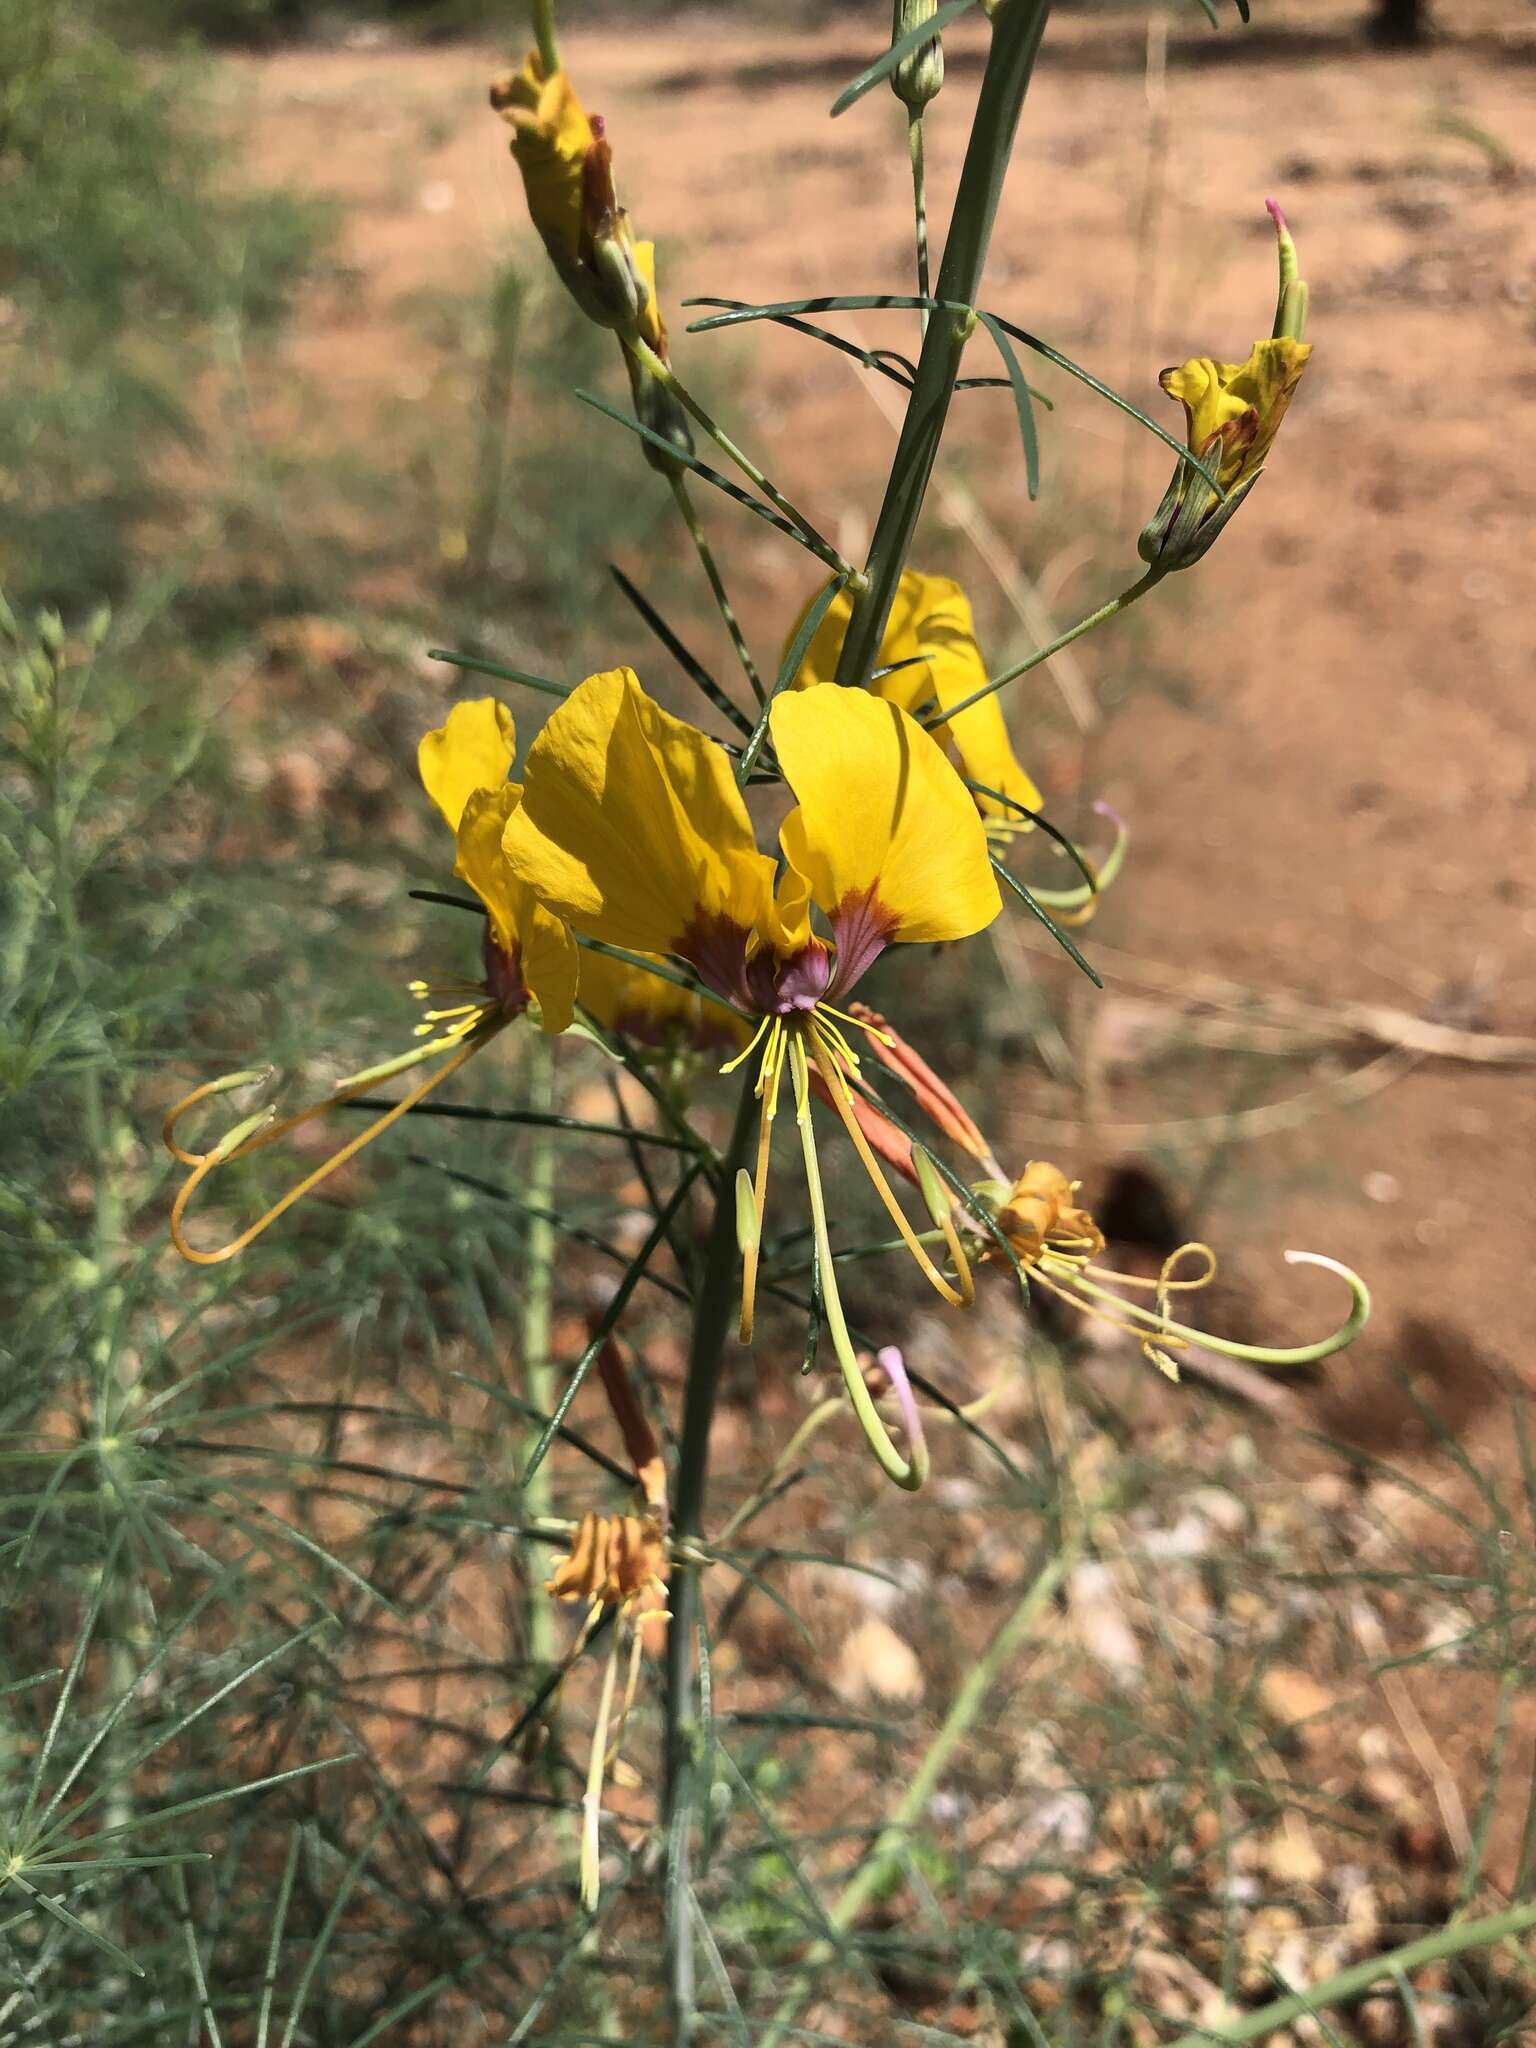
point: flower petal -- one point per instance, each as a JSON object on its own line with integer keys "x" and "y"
{"x": 1242, "y": 402}
{"x": 932, "y": 631}
{"x": 482, "y": 863}
{"x": 632, "y": 826}
{"x": 473, "y": 750}
{"x": 521, "y": 925}
{"x": 882, "y": 815}
{"x": 550, "y": 139}
{"x": 980, "y": 734}
{"x": 550, "y": 960}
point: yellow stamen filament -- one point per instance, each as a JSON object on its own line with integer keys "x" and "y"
{"x": 908, "y": 1473}
{"x": 203, "y": 1164}
{"x": 769, "y": 1079}
{"x": 823, "y": 1051}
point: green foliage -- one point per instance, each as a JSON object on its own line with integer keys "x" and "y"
{"x": 126, "y": 251}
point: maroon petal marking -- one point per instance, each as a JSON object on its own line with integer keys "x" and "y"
{"x": 715, "y": 947}
{"x": 861, "y": 928}
{"x": 504, "y": 982}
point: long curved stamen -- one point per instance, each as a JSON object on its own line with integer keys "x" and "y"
{"x": 908, "y": 1473}
{"x": 597, "y": 1765}
{"x": 768, "y": 1083}
{"x": 1143, "y": 1323}
{"x": 256, "y": 1140}
{"x": 837, "y": 1089}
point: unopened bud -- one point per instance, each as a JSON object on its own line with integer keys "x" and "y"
{"x": 918, "y": 77}
{"x": 656, "y": 407}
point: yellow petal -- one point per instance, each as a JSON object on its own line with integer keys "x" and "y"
{"x": 520, "y": 924}
{"x": 1242, "y": 402}
{"x": 953, "y": 668}
{"x": 550, "y": 139}
{"x": 908, "y": 686}
{"x": 882, "y": 814}
{"x": 631, "y": 824}
{"x": 481, "y": 861}
{"x": 550, "y": 960}
{"x": 473, "y": 750}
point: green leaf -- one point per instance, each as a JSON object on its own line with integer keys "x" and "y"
{"x": 609, "y": 1321}
{"x": 480, "y": 666}
{"x": 903, "y": 47}
{"x": 1036, "y": 910}
{"x": 712, "y": 476}
{"x": 1022, "y": 404}
{"x": 885, "y": 302}
{"x": 691, "y": 666}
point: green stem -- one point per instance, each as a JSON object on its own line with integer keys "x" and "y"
{"x": 714, "y": 1309}
{"x": 664, "y": 373}
{"x": 1430, "y": 1948}
{"x": 1105, "y": 612}
{"x": 538, "y": 1294}
{"x": 723, "y": 605}
{"x": 541, "y": 14}
{"x": 886, "y": 1852}
{"x": 1017, "y": 26}
{"x": 919, "y": 210}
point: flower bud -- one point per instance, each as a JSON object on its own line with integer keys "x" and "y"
{"x": 1233, "y": 412}
{"x": 918, "y": 77}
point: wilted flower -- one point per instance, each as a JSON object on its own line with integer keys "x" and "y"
{"x": 567, "y": 166}
{"x": 614, "y": 1561}
{"x": 1232, "y": 413}
{"x": 929, "y": 656}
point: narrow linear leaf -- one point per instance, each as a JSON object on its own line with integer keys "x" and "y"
{"x": 61, "y": 1913}
{"x": 609, "y": 1321}
{"x": 1022, "y": 405}
{"x": 1035, "y": 909}
{"x": 815, "y": 545}
{"x": 481, "y": 666}
{"x": 689, "y": 663}
{"x": 887, "y": 302}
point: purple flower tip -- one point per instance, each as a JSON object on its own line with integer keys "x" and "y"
{"x": 1272, "y": 208}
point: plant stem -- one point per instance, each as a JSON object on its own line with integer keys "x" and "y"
{"x": 1105, "y": 612}
{"x": 919, "y": 210}
{"x": 1017, "y": 26}
{"x": 714, "y": 1309}
{"x": 885, "y": 1853}
{"x": 542, "y": 16}
{"x": 664, "y": 373}
{"x": 538, "y": 1289}
{"x": 1430, "y": 1948}
{"x": 717, "y": 587}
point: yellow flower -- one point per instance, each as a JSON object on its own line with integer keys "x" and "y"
{"x": 931, "y": 653}
{"x": 633, "y": 828}
{"x": 1232, "y": 412}
{"x": 567, "y": 169}
{"x": 529, "y": 952}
